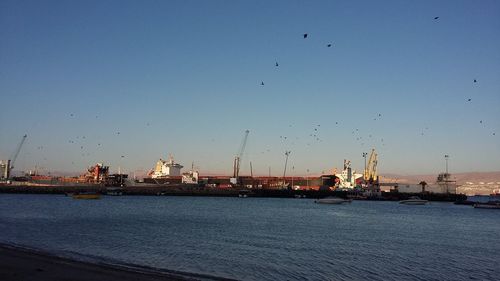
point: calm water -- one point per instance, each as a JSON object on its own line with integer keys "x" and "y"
{"x": 262, "y": 238}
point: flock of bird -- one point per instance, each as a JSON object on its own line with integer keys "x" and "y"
{"x": 314, "y": 136}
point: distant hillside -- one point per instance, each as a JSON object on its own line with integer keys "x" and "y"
{"x": 473, "y": 183}
{"x": 461, "y": 178}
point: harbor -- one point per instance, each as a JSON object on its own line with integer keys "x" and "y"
{"x": 167, "y": 179}
{"x": 249, "y": 140}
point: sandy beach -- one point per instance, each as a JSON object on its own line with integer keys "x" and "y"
{"x": 18, "y": 264}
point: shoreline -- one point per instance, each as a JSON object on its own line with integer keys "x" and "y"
{"x": 18, "y": 263}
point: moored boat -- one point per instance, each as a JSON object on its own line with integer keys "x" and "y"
{"x": 86, "y": 195}
{"x": 489, "y": 205}
{"x": 114, "y": 191}
{"x": 333, "y": 200}
{"x": 414, "y": 200}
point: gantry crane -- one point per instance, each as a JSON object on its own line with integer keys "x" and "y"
{"x": 370, "y": 174}
{"x": 12, "y": 160}
{"x": 237, "y": 158}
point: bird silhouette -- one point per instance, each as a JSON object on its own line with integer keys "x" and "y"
{"x": 305, "y": 35}
{"x": 436, "y": 18}
{"x": 329, "y": 45}
{"x": 262, "y": 83}
{"x": 277, "y": 64}
{"x": 469, "y": 99}
{"x": 475, "y": 81}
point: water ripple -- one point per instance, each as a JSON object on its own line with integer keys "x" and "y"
{"x": 262, "y": 239}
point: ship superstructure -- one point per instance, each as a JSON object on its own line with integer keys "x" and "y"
{"x": 347, "y": 178}
{"x": 96, "y": 174}
{"x": 165, "y": 168}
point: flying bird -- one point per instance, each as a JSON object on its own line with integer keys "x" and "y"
{"x": 469, "y": 99}
{"x": 277, "y": 64}
{"x": 329, "y": 45}
{"x": 305, "y": 35}
{"x": 262, "y": 83}
{"x": 436, "y": 18}
{"x": 475, "y": 81}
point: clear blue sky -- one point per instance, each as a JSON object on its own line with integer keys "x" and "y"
{"x": 184, "y": 77}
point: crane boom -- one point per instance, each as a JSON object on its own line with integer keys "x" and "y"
{"x": 371, "y": 169}
{"x": 16, "y": 153}
{"x": 237, "y": 159}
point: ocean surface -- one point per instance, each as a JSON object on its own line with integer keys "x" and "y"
{"x": 262, "y": 238}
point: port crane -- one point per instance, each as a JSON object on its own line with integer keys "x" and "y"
{"x": 370, "y": 174}
{"x": 12, "y": 160}
{"x": 237, "y": 158}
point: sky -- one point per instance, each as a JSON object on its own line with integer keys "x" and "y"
{"x": 125, "y": 83}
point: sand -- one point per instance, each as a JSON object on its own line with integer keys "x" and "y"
{"x": 19, "y": 264}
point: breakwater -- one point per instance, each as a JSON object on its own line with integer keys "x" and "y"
{"x": 195, "y": 190}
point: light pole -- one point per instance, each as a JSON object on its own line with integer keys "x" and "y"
{"x": 446, "y": 176}
{"x": 286, "y": 161}
{"x": 446, "y": 157}
{"x": 364, "y": 172}
{"x": 307, "y": 178}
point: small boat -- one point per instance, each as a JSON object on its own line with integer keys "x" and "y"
{"x": 489, "y": 205}
{"x": 114, "y": 191}
{"x": 86, "y": 195}
{"x": 332, "y": 200}
{"x": 414, "y": 200}
{"x": 244, "y": 193}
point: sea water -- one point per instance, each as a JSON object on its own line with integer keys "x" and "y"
{"x": 262, "y": 238}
